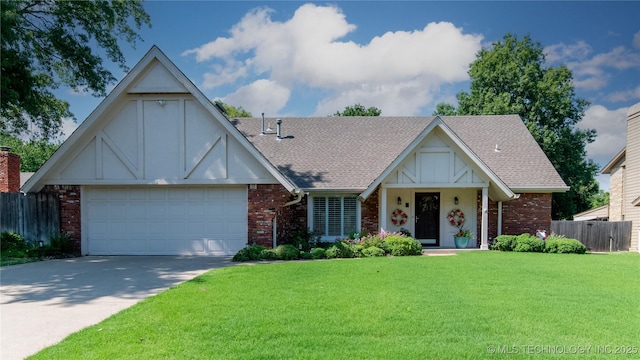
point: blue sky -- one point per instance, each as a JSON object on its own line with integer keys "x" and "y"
{"x": 312, "y": 59}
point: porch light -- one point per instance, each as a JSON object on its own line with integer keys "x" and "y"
{"x": 161, "y": 102}
{"x": 455, "y": 200}
{"x": 399, "y": 200}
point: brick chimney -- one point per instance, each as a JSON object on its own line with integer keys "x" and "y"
{"x": 9, "y": 170}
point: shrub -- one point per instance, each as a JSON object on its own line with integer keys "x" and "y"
{"x": 318, "y": 253}
{"x": 564, "y": 246}
{"x": 60, "y": 245}
{"x": 372, "y": 251}
{"x": 268, "y": 254}
{"x": 12, "y": 241}
{"x": 339, "y": 249}
{"x": 372, "y": 240}
{"x": 255, "y": 252}
{"x": 528, "y": 243}
{"x": 357, "y": 250}
{"x": 504, "y": 243}
{"x": 305, "y": 255}
{"x": 399, "y": 245}
{"x": 287, "y": 252}
{"x": 304, "y": 240}
{"x": 242, "y": 255}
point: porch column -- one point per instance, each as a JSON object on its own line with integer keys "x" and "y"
{"x": 484, "y": 245}
{"x": 383, "y": 207}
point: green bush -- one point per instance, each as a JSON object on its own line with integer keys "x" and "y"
{"x": 59, "y": 245}
{"x": 305, "y": 255}
{"x": 10, "y": 240}
{"x": 287, "y": 252}
{"x": 255, "y": 251}
{"x": 242, "y": 255}
{"x": 339, "y": 249}
{"x": 268, "y": 254}
{"x": 504, "y": 243}
{"x": 304, "y": 240}
{"x": 564, "y": 246}
{"x": 528, "y": 243}
{"x": 357, "y": 250}
{"x": 373, "y": 251}
{"x": 400, "y": 245}
{"x": 372, "y": 240}
{"x": 318, "y": 253}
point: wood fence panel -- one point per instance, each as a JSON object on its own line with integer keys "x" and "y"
{"x": 36, "y": 216}
{"x": 598, "y": 236}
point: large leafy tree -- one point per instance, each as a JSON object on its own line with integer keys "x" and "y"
{"x": 232, "y": 111}
{"x": 359, "y": 110}
{"x": 48, "y": 43}
{"x": 33, "y": 153}
{"x": 511, "y": 78}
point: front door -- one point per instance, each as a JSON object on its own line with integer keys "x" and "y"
{"x": 428, "y": 218}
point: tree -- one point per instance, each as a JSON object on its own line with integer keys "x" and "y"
{"x": 359, "y": 110}
{"x": 600, "y": 198}
{"x": 445, "y": 110}
{"x": 46, "y": 44}
{"x": 232, "y": 111}
{"x": 33, "y": 153}
{"x": 510, "y": 78}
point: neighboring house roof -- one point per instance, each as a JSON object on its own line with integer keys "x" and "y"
{"x": 24, "y": 176}
{"x": 599, "y": 213}
{"x": 616, "y": 159}
{"x": 350, "y": 153}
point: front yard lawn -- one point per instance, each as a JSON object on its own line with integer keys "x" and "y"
{"x": 473, "y": 305}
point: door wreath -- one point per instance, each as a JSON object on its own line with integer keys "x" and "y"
{"x": 398, "y": 217}
{"x": 456, "y": 218}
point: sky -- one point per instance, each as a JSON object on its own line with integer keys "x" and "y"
{"x": 294, "y": 58}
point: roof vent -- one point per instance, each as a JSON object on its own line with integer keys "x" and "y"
{"x": 279, "y": 128}
{"x": 262, "y": 131}
{"x": 497, "y": 149}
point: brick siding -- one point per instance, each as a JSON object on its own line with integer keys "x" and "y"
{"x": 70, "y": 220}
{"x": 369, "y": 221}
{"x": 265, "y": 202}
{"x": 9, "y": 172}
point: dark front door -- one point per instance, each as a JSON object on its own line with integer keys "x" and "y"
{"x": 428, "y": 218}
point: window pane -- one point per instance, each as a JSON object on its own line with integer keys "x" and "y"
{"x": 349, "y": 215}
{"x": 320, "y": 215}
{"x": 335, "y": 216}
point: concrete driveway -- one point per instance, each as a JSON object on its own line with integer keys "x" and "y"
{"x": 42, "y": 303}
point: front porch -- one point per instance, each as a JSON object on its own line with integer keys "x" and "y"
{"x": 424, "y": 212}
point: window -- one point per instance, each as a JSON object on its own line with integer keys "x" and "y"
{"x": 334, "y": 215}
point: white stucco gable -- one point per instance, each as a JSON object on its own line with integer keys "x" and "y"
{"x": 156, "y": 127}
{"x": 438, "y": 158}
{"x": 436, "y": 162}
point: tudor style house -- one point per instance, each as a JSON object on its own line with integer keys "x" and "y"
{"x": 158, "y": 169}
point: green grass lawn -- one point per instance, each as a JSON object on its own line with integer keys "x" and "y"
{"x": 446, "y": 307}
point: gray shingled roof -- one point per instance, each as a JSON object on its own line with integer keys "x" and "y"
{"x": 349, "y": 153}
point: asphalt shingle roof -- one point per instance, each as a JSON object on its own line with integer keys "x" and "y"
{"x": 349, "y": 153}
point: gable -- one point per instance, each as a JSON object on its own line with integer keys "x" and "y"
{"x": 436, "y": 161}
{"x": 156, "y": 127}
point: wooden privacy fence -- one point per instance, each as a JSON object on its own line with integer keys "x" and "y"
{"x": 36, "y": 216}
{"x": 599, "y": 236}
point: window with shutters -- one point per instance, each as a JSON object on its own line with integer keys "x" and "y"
{"x": 334, "y": 216}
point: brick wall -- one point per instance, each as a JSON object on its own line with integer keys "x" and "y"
{"x": 70, "y": 220}
{"x": 9, "y": 171}
{"x": 530, "y": 212}
{"x": 266, "y": 202}
{"x": 369, "y": 214}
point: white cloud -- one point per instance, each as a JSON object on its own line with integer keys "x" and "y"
{"x": 591, "y": 72}
{"x": 260, "y": 96}
{"x": 636, "y": 40}
{"x": 625, "y": 95}
{"x": 611, "y": 126}
{"x": 397, "y": 71}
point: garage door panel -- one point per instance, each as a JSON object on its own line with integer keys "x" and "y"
{"x": 166, "y": 220}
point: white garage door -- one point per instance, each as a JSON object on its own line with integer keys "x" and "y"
{"x": 165, "y": 220}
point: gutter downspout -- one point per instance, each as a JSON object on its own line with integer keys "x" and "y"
{"x": 499, "y": 218}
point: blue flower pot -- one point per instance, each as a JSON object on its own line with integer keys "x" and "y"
{"x": 460, "y": 241}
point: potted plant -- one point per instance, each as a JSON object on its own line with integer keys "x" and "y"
{"x": 462, "y": 235}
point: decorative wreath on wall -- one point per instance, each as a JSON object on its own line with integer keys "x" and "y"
{"x": 398, "y": 217}
{"x": 456, "y": 218}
